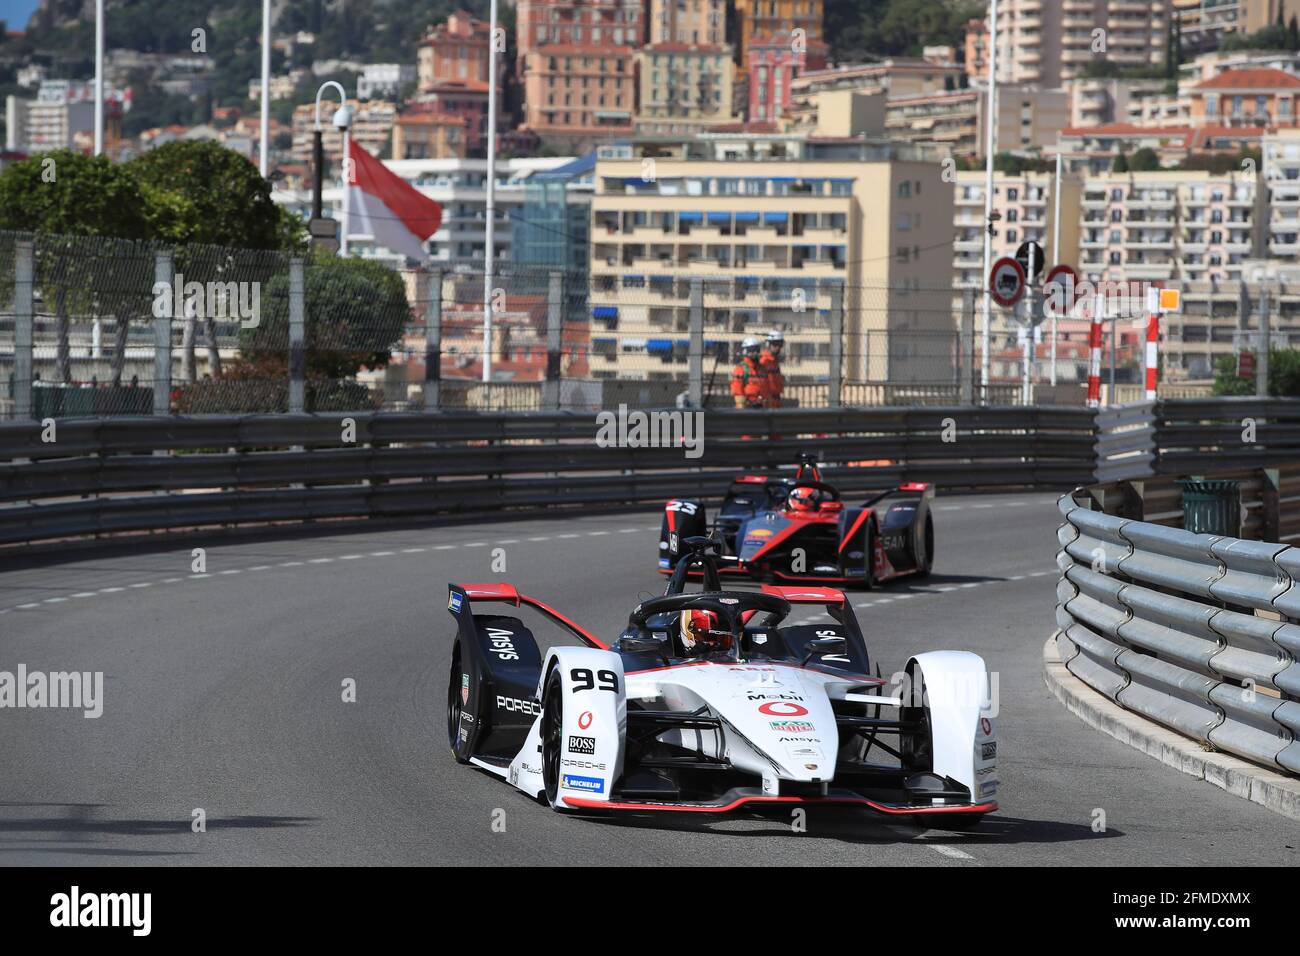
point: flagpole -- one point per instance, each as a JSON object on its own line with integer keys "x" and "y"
{"x": 266, "y": 89}
{"x": 99, "y": 77}
{"x": 491, "y": 194}
{"x": 990, "y": 147}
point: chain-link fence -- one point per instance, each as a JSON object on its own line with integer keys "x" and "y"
{"x": 97, "y": 326}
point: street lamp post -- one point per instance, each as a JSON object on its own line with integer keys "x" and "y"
{"x": 489, "y": 251}
{"x": 990, "y": 148}
{"x": 99, "y": 77}
{"x": 263, "y": 158}
{"x": 343, "y": 120}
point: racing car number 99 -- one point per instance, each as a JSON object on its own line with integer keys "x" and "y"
{"x": 584, "y": 679}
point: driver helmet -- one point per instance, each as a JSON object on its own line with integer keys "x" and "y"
{"x": 703, "y": 632}
{"x": 751, "y": 347}
{"x": 805, "y": 499}
{"x": 775, "y": 340}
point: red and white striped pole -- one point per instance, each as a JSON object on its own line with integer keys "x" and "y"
{"x": 1094, "y": 352}
{"x": 1153, "y": 340}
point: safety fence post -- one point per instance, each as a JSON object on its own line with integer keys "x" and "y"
{"x": 24, "y": 270}
{"x": 697, "y": 343}
{"x": 162, "y": 338}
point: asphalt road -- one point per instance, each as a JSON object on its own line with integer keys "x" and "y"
{"x": 223, "y": 691}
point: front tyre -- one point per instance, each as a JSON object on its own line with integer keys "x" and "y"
{"x": 552, "y": 738}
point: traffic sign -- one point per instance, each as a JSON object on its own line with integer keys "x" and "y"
{"x": 1164, "y": 300}
{"x": 323, "y": 228}
{"x": 1030, "y": 254}
{"x": 1006, "y": 282}
{"x": 1067, "y": 278}
{"x": 1062, "y": 291}
{"x": 1246, "y": 365}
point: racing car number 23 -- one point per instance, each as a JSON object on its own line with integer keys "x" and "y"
{"x": 584, "y": 679}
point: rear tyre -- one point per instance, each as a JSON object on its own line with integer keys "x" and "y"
{"x": 925, "y": 549}
{"x": 455, "y": 704}
{"x": 552, "y": 738}
{"x": 869, "y": 542}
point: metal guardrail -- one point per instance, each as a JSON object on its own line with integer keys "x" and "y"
{"x": 104, "y": 476}
{"x": 1197, "y": 632}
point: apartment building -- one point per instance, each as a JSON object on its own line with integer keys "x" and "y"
{"x": 372, "y": 128}
{"x": 1047, "y": 42}
{"x": 385, "y": 80}
{"x": 684, "y": 87}
{"x": 540, "y": 23}
{"x": 1027, "y": 204}
{"x": 776, "y": 227}
{"x": 456, "y": 51}
{"x": 1254, "y": 97}
{"x": 1167, "y": 225}
{"x": 1203, "y": 24}
{"x": 580, "y": 92}
{"x": 772, "y": 63}
{"x": 976, "y": 44}
{"x": 688, "y": 21}
{"x": 1027, "y": 119}
{"x": 429, "y": 134}
{"x": 459, "y": 185}
{"x": 61, "y": 115}
{"x": 1138, "y": 102}
{"x": 757, "y": 18}
{"x": 1093, "y": 149}
{"x": 896, "y": 77}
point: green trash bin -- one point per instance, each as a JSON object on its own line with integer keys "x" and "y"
{"x": 1212, "y": 507}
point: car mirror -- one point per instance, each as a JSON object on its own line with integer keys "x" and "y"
{"x": 641, "y": 645}
{"x": 824, "y": 645}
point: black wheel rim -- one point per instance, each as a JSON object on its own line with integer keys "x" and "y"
{"x": 552, "y": 730}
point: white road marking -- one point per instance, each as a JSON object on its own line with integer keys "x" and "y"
{"x": 232, "y": 571}
{"x": 260, "y": 567}
{"x": 143, "y": 584}
{"x": 27, "y": 607}
{"x": 596, "y": 534}
{"x": 114, "y": 590}
{"x": 444, "y": 547}
{"x": 289, "y": 564}
{"x": 951, "y": 851}
{"x": 350, "y": 557}
{"x": 380, "y": 554}
{"x": 541, "y": 537}
{"x": 508, "y": 541}
{"x": 414, "y": 550}
{"x": 320, "y": 561}
{"x": 55, "y": 600}
{"x": 84, "y": 594}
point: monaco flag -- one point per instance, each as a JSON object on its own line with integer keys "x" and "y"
{"x": 384, "y": 206}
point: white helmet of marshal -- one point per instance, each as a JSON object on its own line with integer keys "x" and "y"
{"x": 751, "y": 345}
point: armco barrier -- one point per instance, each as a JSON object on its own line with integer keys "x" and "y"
{"x": 104, "y": 476}
{"x": 1195, "y": 631}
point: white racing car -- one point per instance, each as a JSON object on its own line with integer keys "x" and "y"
{"x": 707, "y": 701}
